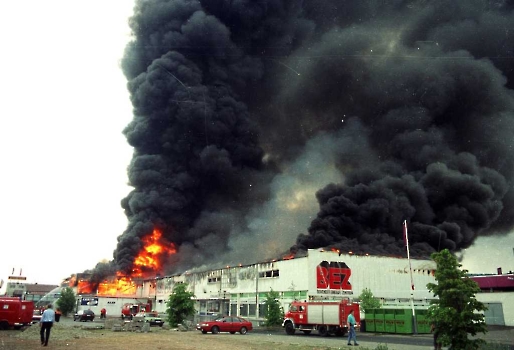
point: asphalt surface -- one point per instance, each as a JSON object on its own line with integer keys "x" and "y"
{"x": 503, "y": 336}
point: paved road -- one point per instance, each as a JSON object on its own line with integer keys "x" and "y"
{"x": 366, "y": 340}
{"x": 499, "y": 335}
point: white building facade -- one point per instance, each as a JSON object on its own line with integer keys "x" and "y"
{"x": 321, "y": 275}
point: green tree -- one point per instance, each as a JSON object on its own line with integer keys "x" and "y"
{"x": 180, "y": 305}
{"x": 457, "y": 312}
{"x": 368, "y": 301}
{"x": 274, "y": 313}
{"x": 67, "y": 300}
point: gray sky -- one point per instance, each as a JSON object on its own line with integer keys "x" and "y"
{"x": 489, "y": 253}
{"x": 64, "y": 105}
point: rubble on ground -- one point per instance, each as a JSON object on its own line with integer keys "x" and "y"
{"x": 77, "y": 330}
{"x": 60, "y": 331}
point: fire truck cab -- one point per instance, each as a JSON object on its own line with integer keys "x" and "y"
{"x": 130, "y": 310}
{"x": 326, "y": 317}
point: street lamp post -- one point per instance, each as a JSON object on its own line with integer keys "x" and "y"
{"x": 157, "y": 277}
{"x": 223, "y": 305}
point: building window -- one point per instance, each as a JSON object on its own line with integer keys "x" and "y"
{"x": 269, "y": 274}
{"x": 213, "y": 307}
{"x": 252, "y": 308}
{"x": 214, "y": 279}
{"x": 243, "y": 310}
{"x": 262, "y": 310}
{"x": 233, "y": 310}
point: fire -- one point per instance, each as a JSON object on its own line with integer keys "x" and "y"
{"x": 147, "y": 263}
{"x": 289, "y": 257}
{"x": 121, "y": 285}
{"x": 150, "y": 257}
{"x": 84, "y": 287}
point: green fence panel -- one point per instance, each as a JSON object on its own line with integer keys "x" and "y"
{"x": 422, "y": 321}
{"x": 389, "y": 324}
{"x": 379, "y": 320}
{"x": 403, "y": 321}
{"x": 369, "y": 316}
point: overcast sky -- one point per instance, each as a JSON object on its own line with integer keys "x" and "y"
{"x": 64, "y": 104}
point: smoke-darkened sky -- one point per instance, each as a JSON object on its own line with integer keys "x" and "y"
{"x": 64, "y": 104}
{"x": 269, "y": 126}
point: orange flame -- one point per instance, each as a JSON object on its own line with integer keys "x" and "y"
{"x": 289, "y": 257}
{"x": 147, "y": 263}
{"x": 150, "y": 257}
{"x": 84, "y": 287}
{"x": 122, "y": 285}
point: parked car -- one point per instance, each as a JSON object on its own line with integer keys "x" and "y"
{"x": 230, "y": 324}
{"x": 84, "y": 315}
{"x": 151, "y": 317}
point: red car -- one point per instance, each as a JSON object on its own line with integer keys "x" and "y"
{"x": 230, "y": 324}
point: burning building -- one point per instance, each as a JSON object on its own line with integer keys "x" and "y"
{"x": 107, "y": 280}
{"x": 242, "y": 289}
{"x": 273, "y": 127}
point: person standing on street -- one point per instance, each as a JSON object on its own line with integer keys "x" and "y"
{"x": 46, "y": 323}
{"x": 351, "y": 330}
{"x": 434, "y": 329}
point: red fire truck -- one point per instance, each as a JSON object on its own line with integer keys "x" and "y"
{"x": 130, "y": 310}
{"x": 15, "y": 312}
{"x": 327, "y": 317}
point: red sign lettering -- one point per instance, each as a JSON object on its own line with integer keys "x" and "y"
{"x": 333, "y": 276}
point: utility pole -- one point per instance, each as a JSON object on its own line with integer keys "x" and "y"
{"x": 406, "y": 237}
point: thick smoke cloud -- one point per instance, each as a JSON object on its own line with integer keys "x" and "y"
{"x": 246, "y": 112}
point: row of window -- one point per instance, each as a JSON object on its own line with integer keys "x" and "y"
{"x": 262, "y": 274}
{"x": 246, "y": 310}
{"x": 269, "y": 274}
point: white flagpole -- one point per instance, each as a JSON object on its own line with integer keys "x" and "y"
{"x": 406, "y": 237}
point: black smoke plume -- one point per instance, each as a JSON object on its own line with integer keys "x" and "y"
{"x": 246, "y": 111}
